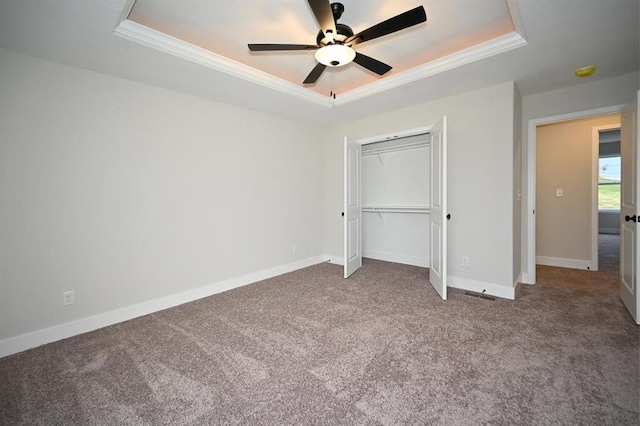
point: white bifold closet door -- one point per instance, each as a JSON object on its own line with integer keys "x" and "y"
{"x": 438, "y": 210}
{"x": 352, "y": 211}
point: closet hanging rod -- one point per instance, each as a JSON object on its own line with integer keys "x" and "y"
{"x": 396, "y": 209}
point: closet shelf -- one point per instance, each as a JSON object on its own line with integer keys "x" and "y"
{"x": 396, "y": 209}
{"x": 387, "y": 149}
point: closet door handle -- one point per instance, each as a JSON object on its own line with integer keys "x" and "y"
{"x": 449, "y": 216}
{"x": 343, "y": 214}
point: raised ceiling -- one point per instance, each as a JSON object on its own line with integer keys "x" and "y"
{"x": 216, "y": 35}
{"x": 561, "y": 35}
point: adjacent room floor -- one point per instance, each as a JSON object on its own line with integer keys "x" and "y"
{"x": 609, "y": 252}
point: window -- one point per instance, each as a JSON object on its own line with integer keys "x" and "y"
{"x": 609, "y": 183}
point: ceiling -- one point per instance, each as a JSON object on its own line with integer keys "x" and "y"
{"x": 199, "y": 47}
{"x": 226, "y": 31}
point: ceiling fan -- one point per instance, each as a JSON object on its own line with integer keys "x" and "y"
{"x": 335, "y": 42}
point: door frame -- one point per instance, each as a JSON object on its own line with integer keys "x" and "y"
{"x": 366, "y": 141}
{"x": 529, "y": 241}
{"x": 395, "y": 135}
{"x": 595, "y": 212}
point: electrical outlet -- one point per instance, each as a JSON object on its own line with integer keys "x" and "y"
{"x": 465, "y": 261}
{"x": 68, "y": 297}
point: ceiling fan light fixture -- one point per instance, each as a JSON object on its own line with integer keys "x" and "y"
{"x": 335, "y": 40}
{"x": 335, "y": 55}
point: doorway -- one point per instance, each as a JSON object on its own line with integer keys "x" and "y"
{"x": 530, "y": 260}
{"x": 609, "y": 198}
{"x": 567, "y": 191}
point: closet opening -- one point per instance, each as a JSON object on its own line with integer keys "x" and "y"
{"x": 395, "y": 201}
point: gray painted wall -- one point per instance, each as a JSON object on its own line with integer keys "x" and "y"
{"x": 126, "y": 193}
{"x": 481, "y": 178}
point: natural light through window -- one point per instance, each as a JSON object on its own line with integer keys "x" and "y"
{"x": 609, "y": 183}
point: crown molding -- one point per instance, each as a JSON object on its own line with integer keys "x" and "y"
{"x": 476, "y": 53}
{"x": 146, "y": 36}
{"x": 126, "y": 10}
{"x": 168, "y": 44}
{"x": 516, "y": 18}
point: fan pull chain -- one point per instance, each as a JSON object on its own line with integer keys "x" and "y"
{"x": 332, "y": 94}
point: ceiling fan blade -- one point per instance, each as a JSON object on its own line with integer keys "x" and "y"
{"x": 324, "y": 15}
{"x": 315, "y": 74}
{"x": 399, "y": 22}
{"x": 371, "y": 64}
{"x": 264, "y": 47}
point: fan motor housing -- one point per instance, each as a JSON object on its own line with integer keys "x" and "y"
{"x": 344, "y": 32}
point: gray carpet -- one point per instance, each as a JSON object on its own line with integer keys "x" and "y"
{"x": 609, "y": 252}
{"x": 380, "y": 348}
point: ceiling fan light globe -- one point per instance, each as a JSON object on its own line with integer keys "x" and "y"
{"x": 335, "y": 55}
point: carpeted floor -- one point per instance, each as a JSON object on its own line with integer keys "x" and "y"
{"x": 380, "y": 348}
{"x": 609, "y": 252}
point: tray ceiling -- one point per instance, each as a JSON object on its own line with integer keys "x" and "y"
{"x": 101, "y": 35}
{"x": 216, "y": 34}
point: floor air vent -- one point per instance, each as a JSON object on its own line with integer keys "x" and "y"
{"x": 479, "y": 295}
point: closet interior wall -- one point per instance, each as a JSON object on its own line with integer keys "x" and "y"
{"x": 396, "y": 199}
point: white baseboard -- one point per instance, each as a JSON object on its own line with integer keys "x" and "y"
{"x": 527, "y": 279}
{"x": 566, "y": 263}
{"x": 397, "y": 258}
{"x": 615, "y": 231}
{"x": 456, "y": 282}
{"x": 40, "y": 337}
{"x": 496, "y": 290}
{"x": 516, "y": 286}
{"x": 23, "y": 342}
{"x": 518, "y": 281}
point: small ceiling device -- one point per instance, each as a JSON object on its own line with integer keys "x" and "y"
{"x": 335, "y": 41}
